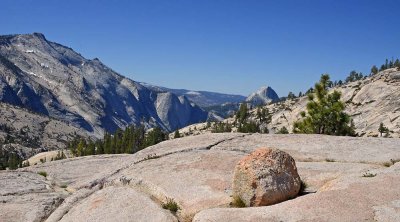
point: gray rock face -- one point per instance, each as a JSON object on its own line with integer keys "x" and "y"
{"x": 369, "y": 102}
{"x": 26, "y": 197}
{"x": 54, "y": 80}
{"x": 33, "y": 132}
{"x": 197, "y": 173}
{"x": 201, "y": 98}
{"x": 266, "y": 176}
{"x": 118, "y": 204}
{"x": 263, "y": 96}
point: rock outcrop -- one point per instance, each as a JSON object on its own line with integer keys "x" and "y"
{"x": 265, "y": 177}
{"x": 263, "y": 96}
{"x": 26, "y": 133}
{"x": 54, "y": 80}
{"x": 369, "y": 102}
{"x": 349, "y": 179}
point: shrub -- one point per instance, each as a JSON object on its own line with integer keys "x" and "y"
{"x": 238, "y": 202}
{"x": 368, "y": 174}
{"x": 283, "y": 130}
{"x": 42, "y": 173}
{"x": 303, "y": 187}
{"x": 171, "y": 205}
{"x": 393, "y": 161}
{"x": 330, "y": 160}
{"x": 387, "y": 164}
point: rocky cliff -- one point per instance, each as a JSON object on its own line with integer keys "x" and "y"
{"x": 51, "y": 79}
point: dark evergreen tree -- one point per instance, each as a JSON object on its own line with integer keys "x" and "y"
{"x": 177, "y": 134}
{"x": 291, "y": 95}
{"x": 300, "y": 94}
{"x": 242, "y": 113}
{"x": 325, "y": 113}
{"x": 374, "y": 70}
{"x": 382, "y": 129}
{"x": 397, "y": 63}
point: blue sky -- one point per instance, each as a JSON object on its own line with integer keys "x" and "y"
{"x": 226, "y": 46}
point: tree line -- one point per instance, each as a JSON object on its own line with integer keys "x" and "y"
{"x": 353, "y": 76}
{"x": 243, "y": 123}
{"x": 129, "y": 140}
{"x": 9, "y": 160}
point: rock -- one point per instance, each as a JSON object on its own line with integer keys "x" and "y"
{"x": 54, "y": 80}
{"x": 118, "y": 204}
{"x": 361, "y": 199}
{"x": 196, "y": 180}
{"x": 263, "y": 96}
{"x": 369, "y": 102}
{"x": 197, "y": 173}
{"x": 266, "y": 176}
{"x": 26, "y": 197}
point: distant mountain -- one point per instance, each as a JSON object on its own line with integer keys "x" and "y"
{"x": 220, "y": 112}
{"x": 369, "y": 101}
{"x": 52, "y": 79}
{"x": 263, "y": 96}
{"x": 200, "y": 98}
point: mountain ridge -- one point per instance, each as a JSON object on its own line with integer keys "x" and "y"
{"x": 52, "y": 79}
{"x": 200, "y": 97}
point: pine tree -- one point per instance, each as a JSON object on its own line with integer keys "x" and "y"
{"x": 177, "y": 134}
{"x": 242, "y": 113}
{"x": 397, "y": 63}
{"x": 291, "y": 95}
{"x": 300, "y": 94}
{"x": 81, "y": 147}
{"x": 259, "y": 114}
{"x": 325, "y": 113}
{"x": 374, "y": 70}
{"x": 382, "y": 129}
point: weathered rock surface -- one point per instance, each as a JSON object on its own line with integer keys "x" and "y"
{"x": 118, "y": 204}
{"x": 369, "y": 102}
{"x": 265, "y": 177}
{"x": 197, "y": 173}
{"x": 32, "y": 132}
{"x": 362, "y": 199}
{"x": 26, "y": 196}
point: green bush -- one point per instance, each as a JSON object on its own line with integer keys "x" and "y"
{"x": 171, "y": 205}
{"x": 303, "y": 187}
{"x": 283, "y": 130}
{"x": 238, "y": 202}
{"x": 42, "y": 173}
